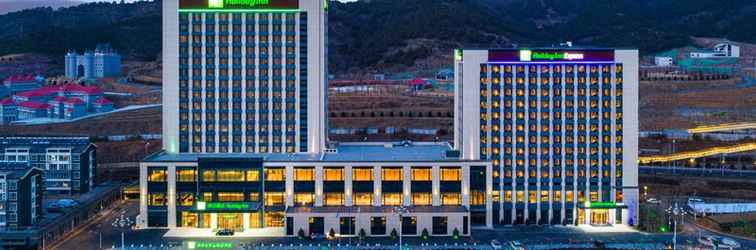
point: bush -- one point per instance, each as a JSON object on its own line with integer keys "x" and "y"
{"x": 424, "y": 235}
{"x": 455, "y": 234}
{"x": 394, "y": 234}
{"x": 362, "y": 234}
{"x": 331, "y": 233}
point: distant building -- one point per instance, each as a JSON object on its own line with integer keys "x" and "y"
{"x": 720, "y": 50}
{"x": 102, "y": 62}
{"x": 379, "y": 77}
{"x": 445, "y": 75}
{"x": 68, "y": 163}
{"x": 68, "y": 101}
{"x": 663, "y": 61}
{"x": 19, "y": 83}
{"x": 21, "y": 191}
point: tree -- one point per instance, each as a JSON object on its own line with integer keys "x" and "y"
{"x": 394, "y": 234}
{"x": 455, "y": 234}
{"x": 301, "y": 234}
{"x": 424, "y": 235}
{"x": 331, "y": 233}
{"x": 362, "y": 234}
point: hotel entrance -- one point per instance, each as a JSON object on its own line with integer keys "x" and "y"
{"x": 600, "y": 217}
{"x": 233, "y": 221}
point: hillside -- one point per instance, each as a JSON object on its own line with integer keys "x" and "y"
{"x": 7, "y": 6}
{"x": 394, "y": 35}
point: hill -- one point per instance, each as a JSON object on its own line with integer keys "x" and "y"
{"x": 7, "y": 6}
{"x": 393, "y": 35}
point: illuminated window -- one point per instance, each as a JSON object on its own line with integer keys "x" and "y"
{"x": 362, "y": 174}
{"x": 391, "y": 174}
{"x": 274, "y": 198}
{"x": 304, "y": 174}
{"x": 304, "y": 199}
{"x": 185, "y": 199}
{"x": 532, "y": 197}
{"x": 186, "y": 175}
{"x": 156, "y": 175}
{"x": 156, "y": 199}
{"x": 274, "y": 219}
{"x": 422, "y": 199}
{"x": 544, "y": 196}
{"x": 333, "y": 174}
{"x": 207, "y": 196}
{"x": 391, "y": 199}
{"x": 253, "y": 175}
{"x": 507, "y": 196}
{"x": 333, "y": 199}
{"x": 362, "y": 199}
{"x": 421, "y": 174}
{"x": 618, "y": 197}
{"x": 274, "y": 174}
{"x": 254, "y": 196}
{"x": 477, "y": 197}
{"x": 208, "y": 175}
{"x": 594, "y": 196}
{"x": 451, "y": 174}
{"x": 451, "y": 199}
{"x": 230, "y": 176}
{"x": 227, "y": 196}
{"x": 520, "y": 195}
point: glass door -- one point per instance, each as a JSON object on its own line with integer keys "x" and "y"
{"x": 233, "y": 221}
{"x": 599, "y": 217}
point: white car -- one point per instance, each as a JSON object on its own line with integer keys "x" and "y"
{"x": 495, "y": 244}
{"x": 516, "y": 245}
{"x": 653, "y": 201}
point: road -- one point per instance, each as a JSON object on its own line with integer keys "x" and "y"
{"x": 89, "y": 235}
{"x": 713, "y": 172}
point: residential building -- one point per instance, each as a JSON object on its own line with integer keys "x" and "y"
{"x": 68, "y": 163}
{"x": 663, "y": 61}
{"x": 19, "y": 83}
{"x": 67, "y": 101}
{"x": 20, "y": 196}
{"x": 560, "y": 126}
{"x": 720, "y": 50}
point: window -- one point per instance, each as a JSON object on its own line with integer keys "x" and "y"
{"x": 274, "y": 174}
{"x": 304, "y": 174}
{"x": 333, "y": 199}
{"x": 362, "y": 199}
{"x": 156, "y": 199}
{"x": 304, "y": 199}
{"x": 569, "y": 196}
{"x": 254, "y": 196}
{"x": 520, "y": 195}
{"x": 391, "y": 174}
{"x": 208, "y": 175}
{"x": 451, "y": 199}
{"x": 532, "y": 197}
{"x": 421, "y": 174}
{"x": 156, "y": 175}
{"x": 440, "y": 225}
{"x": 507, "y": 196}
{"x": 409, "y": 225}
{"x": 347, "y": 225}
{"x": 333, "y": 174}
{"x": 274, "y": 219}
{"x": 274, "y": 198}
{"x": 392, "y": 199}
{"x": 185, "y": 199}
{"x": 207, "y": 196}
{"x": 477, "y": 197}
{"x": 186, "y": 175}
{"x": 253, "y": 175}
{"x": 228, "y": 196}
{"x": 378, "y": 225}
{"x": 230, "y": 176}
{"x": 362, "y": 174}
{"x": 451, "y": 174}
{"x": 544, "y": 196}
{"x": 422, "y": 199}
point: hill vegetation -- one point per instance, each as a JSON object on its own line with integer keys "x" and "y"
{"x": 381, "y": 34}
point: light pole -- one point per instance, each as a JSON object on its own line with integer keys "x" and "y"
{"x": 674, "y": 163}
{"x": 400, "y": 211}
{"x": 674, "y": 211}
{"x": 123, "y": 223}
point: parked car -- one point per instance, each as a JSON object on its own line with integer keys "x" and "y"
{"x": 516, "y": 245}
{"x": 317, "y": 236}
{"x": 653, "y": 201}
{"x": 225, "y": 232}
{"x": 495, "y": 244}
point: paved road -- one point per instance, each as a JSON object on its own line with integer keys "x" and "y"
{"x": 685, "y": 171}
{"x": 526, "y": 234}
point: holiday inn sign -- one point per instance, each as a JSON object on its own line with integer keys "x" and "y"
{"x": 238, "y": 4}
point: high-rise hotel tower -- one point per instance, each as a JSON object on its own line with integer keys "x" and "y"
{"x": 560, "y": 126}
{"x": 244, "y": 76}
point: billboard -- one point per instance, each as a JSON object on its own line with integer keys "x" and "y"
{"x": 239, "y": 4}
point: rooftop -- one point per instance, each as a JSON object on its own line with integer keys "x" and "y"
{"x": 39, "y": 144}
{"x": 34, "y": 105}
{"x": 14, "y": 169}
{"x": 345, "y": 152}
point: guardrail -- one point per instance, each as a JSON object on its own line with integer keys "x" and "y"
{"x": 698, "y": 153}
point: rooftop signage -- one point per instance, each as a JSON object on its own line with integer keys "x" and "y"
{"x": 262, "y": 5}
{"x": 551, "y": 55}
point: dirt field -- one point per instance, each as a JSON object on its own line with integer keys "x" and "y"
{"x": 143, "y": 121}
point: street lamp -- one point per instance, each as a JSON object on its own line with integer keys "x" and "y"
{"x": 123, "y": 223}
{"x": 400, "y": 211}
{"x": 674, "y": 211}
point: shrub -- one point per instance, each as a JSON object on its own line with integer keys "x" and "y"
{"x": 424, "y": 235}
{"x": 301, "y": 234}
{"x": 394, "y": 234}
{"x": 331, "y": 233}
{"x": 455, "y": 234}
{"x": 362, "y": 234}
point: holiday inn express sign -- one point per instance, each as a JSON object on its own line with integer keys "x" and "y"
{"x": 238, "y": 4}
{"x": 551, "y": 55}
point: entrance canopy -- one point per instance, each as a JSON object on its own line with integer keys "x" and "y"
{"x": 601, "y": 205}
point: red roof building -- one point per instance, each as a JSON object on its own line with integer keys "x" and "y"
{"x": 102, "y": 101}
{"x": 34, "y": 105}
{"x": 7, "y": 101}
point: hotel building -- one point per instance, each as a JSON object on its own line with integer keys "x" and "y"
{"x": 244, "y": 122}
{"x": 560, "y": 127}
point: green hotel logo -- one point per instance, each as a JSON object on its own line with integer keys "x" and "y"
{"x": 219, "y": 4}
{"x": 528, "y": 55}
